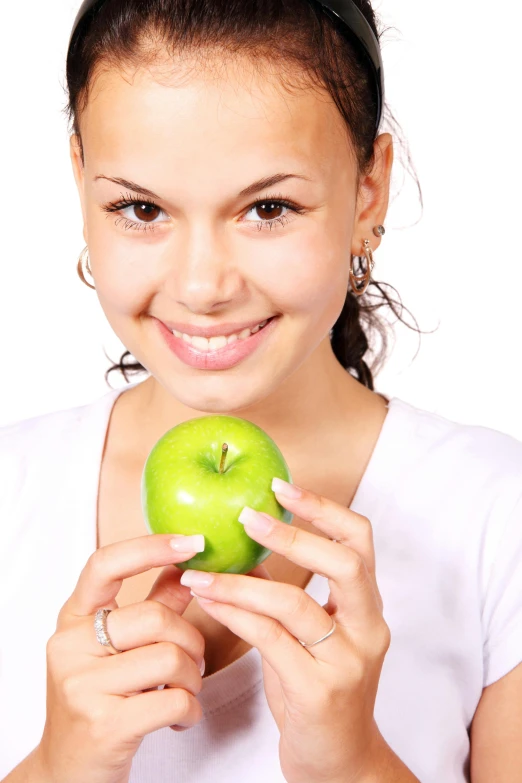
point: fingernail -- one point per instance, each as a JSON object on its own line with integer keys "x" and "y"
{"x": 202, "y": 667}
{"x": 256, "y": 520}
{"x": 196, "y": 578}
{"x": 188, "y": 543}
{"x": 287, "y": 490}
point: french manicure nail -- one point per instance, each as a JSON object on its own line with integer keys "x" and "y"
{"x": 284, "y": 488}
{"x": 188, "y": 543}
{"x": 256, "y": 520}
{"x": 191, "y": 578}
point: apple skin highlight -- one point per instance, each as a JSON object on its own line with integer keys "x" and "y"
{"x": 184, "y": 491}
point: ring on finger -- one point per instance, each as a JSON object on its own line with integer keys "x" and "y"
{"x": 100, "y": 627}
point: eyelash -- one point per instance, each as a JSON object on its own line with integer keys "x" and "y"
{"x": 128, "y": 201}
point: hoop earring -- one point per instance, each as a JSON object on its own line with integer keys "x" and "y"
{"x": 79, "y": 267}
{"x": 360, "y": 282}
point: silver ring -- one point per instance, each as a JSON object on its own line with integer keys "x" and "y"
{"x": 100, "y": 627}
{"x": 322, "y": 637}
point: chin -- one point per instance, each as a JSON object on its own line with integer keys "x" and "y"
{"x": 235, "y": 394}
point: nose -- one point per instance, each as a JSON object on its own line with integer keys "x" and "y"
{"x": 203, "y": 275}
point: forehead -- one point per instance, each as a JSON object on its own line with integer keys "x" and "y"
{"x": 183, "y": 119}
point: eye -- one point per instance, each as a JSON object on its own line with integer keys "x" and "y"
{"x": 269, "y": 209}
{"x": 143, "y": 210}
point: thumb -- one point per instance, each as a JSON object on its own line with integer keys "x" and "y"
{"x": 168, "y": 590}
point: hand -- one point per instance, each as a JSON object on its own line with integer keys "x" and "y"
{"x": 100, "y": 705}
{"x": 322, "y": 697}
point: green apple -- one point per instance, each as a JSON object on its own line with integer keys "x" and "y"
{"x": 197, "y": 478}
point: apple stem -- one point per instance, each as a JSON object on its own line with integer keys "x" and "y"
{"x": 224, "y": 449}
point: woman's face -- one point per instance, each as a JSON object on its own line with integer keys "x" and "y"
{"x": 201, "y": 254}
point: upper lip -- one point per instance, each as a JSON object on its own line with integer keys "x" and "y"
{"x": 214, "y": 331}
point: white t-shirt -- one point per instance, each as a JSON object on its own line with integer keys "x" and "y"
{"x": 445, "y": 502}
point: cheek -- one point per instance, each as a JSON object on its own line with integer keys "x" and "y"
{"x": 123, "y": 263}
{"x": 124, "y": 274}
{"x": 307, "y": 274}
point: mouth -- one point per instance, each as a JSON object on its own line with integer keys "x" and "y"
{"x": 216, "y": 343}
{"x": 219, "y": 358}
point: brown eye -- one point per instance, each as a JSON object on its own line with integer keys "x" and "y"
{"x": 146, "y": 212}
{"x": 270, "y": 208}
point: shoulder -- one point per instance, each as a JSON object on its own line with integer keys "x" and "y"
{"x": 56, "y": 421}
{"x": 44, "y": 430}
{"x": 457, "y": 485}
{"x": 34, "y": 446}
{"x": 477, "y": 457}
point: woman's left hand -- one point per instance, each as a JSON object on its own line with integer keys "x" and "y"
{"x": 322, "y": 697}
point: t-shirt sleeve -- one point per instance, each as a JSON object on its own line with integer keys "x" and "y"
{"x": 502, "y": 617}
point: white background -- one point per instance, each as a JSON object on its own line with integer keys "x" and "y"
{"x": 452, "y": 74}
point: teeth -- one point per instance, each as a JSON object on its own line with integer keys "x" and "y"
{"x": 216, "y": 342}
{"x": 212, "y": 344}
{"x": 199, "y": 342}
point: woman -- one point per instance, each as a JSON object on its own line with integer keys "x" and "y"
{"x": 382, "y": 638}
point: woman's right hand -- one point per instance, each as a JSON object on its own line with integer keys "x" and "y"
{"x": 100, "y": 705}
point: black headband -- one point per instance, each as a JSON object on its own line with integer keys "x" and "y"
{"x": 345, "y": 10}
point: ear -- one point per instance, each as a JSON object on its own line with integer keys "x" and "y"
{"x": 79, "y": 177}
{"x": 374, "y": 194}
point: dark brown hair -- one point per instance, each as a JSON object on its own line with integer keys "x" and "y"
{"x": 300, "y": 40}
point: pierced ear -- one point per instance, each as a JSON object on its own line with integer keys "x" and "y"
{"x": 374, "y": 188}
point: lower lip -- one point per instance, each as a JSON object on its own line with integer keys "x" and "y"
{"x": 220, "y": 359}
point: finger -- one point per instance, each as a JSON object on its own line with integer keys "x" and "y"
{"x": 168, "y": 590}
{"x": 107, "y": 567}
{"x": 338, "y": 522}
{"x": 137, "y": 625}
{"x": 146, "y": 667}
{"x": 270, "y": 605}
{"x": 352, "y": 587}
{"x": 148, "y": 712}
{"x": 294, "y": 666}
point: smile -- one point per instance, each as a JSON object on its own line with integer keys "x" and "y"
{"x": 217, "y": 353}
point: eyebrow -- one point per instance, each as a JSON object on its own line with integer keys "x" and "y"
{"x": 260, "y": 184}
